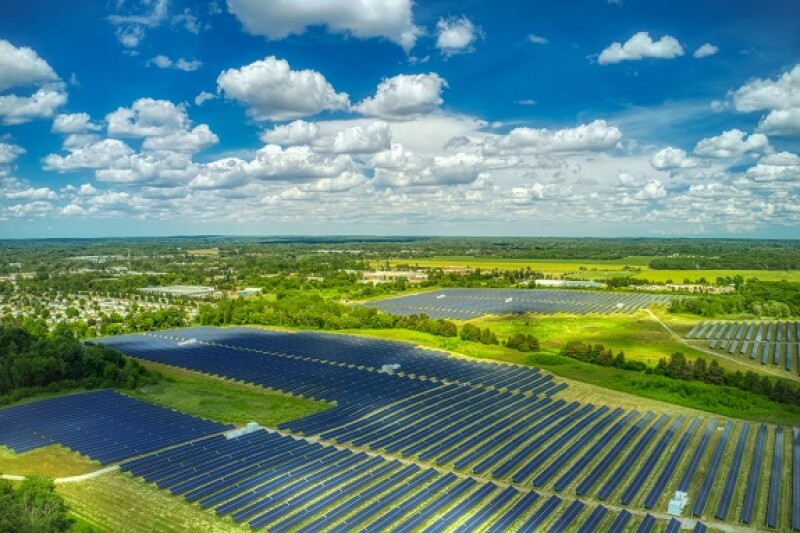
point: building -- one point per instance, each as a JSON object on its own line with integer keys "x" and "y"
{"x": 250, "y": 291}
{"x": 385, "y": 276}
{"x": 567, "y": 284}
{"x": 187, "y": 291}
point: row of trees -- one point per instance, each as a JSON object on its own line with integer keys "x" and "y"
{"x": 761, "y": 298}
{"x": 30, "y": 365}
{"x": 597, "y": 354}
{"x": 677, "y": 366}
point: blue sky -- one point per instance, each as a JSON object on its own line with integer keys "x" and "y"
{"x": 161, "y": 117}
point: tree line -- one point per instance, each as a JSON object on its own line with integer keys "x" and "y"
{"x": 678, "y": 367}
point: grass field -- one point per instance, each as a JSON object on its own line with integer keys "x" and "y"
{"x": 224, "y": 400}
{"x": 120, "y": 503}
{"x": 596, "y": 269}
{"x": 50, "y": 461}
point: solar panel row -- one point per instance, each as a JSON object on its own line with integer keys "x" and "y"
{"x": 769, "y": 342}
{"x": 104, "y": 425}
{"x": 471, "y": 303}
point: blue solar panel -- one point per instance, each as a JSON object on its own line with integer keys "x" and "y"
{"x": 733, "y": 474}
{"x": 711, "y": 472}
{"x": 751, "y": 494}
{"x": 104, "y": 425}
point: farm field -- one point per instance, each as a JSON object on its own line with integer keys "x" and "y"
{"x": 51, "y": 461}
{"x": 594, "y": 269}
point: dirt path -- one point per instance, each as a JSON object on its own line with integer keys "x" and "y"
{"x": 766, "y": 369}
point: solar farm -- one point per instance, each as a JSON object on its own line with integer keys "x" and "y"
{"x": 446, "y": 443}
{"x": 767, "y": 342}
{"x": 470, "y": 303}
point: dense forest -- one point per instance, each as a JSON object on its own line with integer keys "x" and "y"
{"x": 34, "y": 507}
{"x": 32, "y": 364}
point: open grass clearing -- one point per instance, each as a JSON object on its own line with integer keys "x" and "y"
{"x": 50, "y": 461}
{"x": 223, "y": 400}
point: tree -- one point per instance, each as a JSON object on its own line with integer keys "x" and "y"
{"x": 33, "y": 507}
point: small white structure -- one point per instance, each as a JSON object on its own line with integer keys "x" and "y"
{"x": 250, "y": 427}
{"x": 439, "y": 297}
{"x": 187, "y": 341}
{"x": 390, "y": 369}
{"x": 509, "y": 300}
{"x": 678, "y": 503}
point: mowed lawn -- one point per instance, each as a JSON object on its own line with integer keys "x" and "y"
{"x": 635, "y": 266}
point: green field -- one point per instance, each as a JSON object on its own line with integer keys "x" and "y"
{"x": 224, "y": 400}
{"x": 637, "y": 266}
{"x": 120, "y": 503}
{"x": 50, "y": 461}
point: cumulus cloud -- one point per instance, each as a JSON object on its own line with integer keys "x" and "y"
{"x": 404, "y": 96}
{"x": 456, "y": 169}
{"x": 273, "y": 91}
{"x": 74, "y": 123}
{"x": 22, "y": 66}
{"x": 185, "y": 65}
{"x": 732, "y": 144}
{"x": 670, "y": 158}
{"x": 96, "y": 155}
{"x": 538, "y": 192}
{"x": 641, "y": 46}
{"x": 781, "y": 122}
{"x": 390, "y": 19}
{"x": 193, "y": 140}
{"x": 705, "y": 50}
{"x": 537, "y": 39}
{"x": 41, "y": 104}
{"x": 292, "y": 134}
{"x": 778, "y": 167}
{"x": 295, "y": 163}
{"x": 9, "y": 153}
{"x": 653, "y": 190}
{"x": 363, "y": 139}
{"x": 147, "y": 117}
{"x": 455, "y": 35}
{"x": 767, "y": 95}
{"x": 597, "y": 135}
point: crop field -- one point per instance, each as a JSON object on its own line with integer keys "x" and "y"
{"x": 470, "y": 303}
{"x": 453, "y": 437}
{"x": 599, "y": 270}
{"x": 775, "y": 343}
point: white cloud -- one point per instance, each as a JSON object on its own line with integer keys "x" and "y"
{"x": 390, "y": 19}
{"x": 641, "y": 46}
{"x": 41, "y": 104}
{"x": 203, "y": 97}
{"x": 537, "y": 39}
{"x": 295, "y": 163}
{"x": 670, "y": 158}
{"x": 9, "y": 153}
{"x": 597, "y": 135}
{"x": 705, "y": 50}
{"x": 144, "y": 14}
{"x": 341, "y": 183}
{"x": 455, "y": 35}
{"x": 74, "y": 123}
{"x": 363, "y": 140}
{"x": 162, "y": 61}
{"x": 781, "y": 122}
{"x": 778, "y": 167}
{"x": 273, "y": 91}
{"x": 404, "y": 96}
{"x": 97, "y": 155}
{"x": 653, "y": 190}
{"x": 538, "y": 192}
{"x": 22, "y": 66}
{"x": 194, "y": 140}
{"x": 731, "y": 144}
{"x": 457, "y": 169}
{"x": 147, "y": 117}
{"x": 767, "y": 95}
{"x": 526, "y": 101}
{"x": 295, "y": 133}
